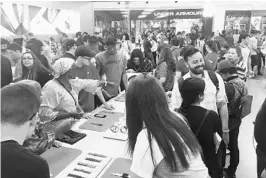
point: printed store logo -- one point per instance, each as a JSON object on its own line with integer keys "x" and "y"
{"x": 166, "y": 14}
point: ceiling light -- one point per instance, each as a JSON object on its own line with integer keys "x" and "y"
{"x": 141, "y": 16}
{"x": 149, "y": 10}
{"x": 124, "y": 12}
{"x": 145, "y": 13}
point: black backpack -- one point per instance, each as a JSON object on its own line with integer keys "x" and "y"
{"x": 212, "y": 76}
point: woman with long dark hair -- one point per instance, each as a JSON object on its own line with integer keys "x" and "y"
{"x": 138, "y": 63}
{"x": 166, "y": 68}
{"x": 32, "y": 69}
{"x": 203, "y": 123}
{"x": 160, "y": 142}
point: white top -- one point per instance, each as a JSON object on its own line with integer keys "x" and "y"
{"x": 154, "y": 46}
{"x": 55, "y": 96}
{"x": 212, "y": 98}
{"x": 143, "y": 166}
{"x": 253, "y": 43}
{"x": 245, "y": 53}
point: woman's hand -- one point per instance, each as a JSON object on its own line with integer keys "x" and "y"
{"x": 109, "y": 106}
{"x": 76, "y": 115}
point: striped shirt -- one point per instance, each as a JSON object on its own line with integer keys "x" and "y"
{"x": 241, "y": 70}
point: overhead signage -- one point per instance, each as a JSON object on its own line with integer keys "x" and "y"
{"x": 176, "y": 13}
{"x": 159, "y": 14}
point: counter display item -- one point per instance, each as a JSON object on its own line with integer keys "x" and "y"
{"x": 117, "y": 131}
{"x": 89, "y": 165}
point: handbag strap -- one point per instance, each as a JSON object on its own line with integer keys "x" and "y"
{"x": 68, "y": 92}
{"x": 201, "y": 123}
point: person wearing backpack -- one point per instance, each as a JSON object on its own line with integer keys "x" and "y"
{"x": 259, "y": 133}
{"x": 239, "y": 90}
{"x": 203, "y": 123}
{"x": 215, "y": 97}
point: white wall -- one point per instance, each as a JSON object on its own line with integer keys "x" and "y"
{"x": 87, "y": 18}
{"x": 219, "y": 17}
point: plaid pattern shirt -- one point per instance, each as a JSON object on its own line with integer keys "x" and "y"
{"x": 213, "y": 99}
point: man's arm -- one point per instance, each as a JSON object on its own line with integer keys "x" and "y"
{"x": 124, "y": 74}
{"x": 124, "y": 80}
{"x": 221, "y": 100}
{"x": 98, "y": 65}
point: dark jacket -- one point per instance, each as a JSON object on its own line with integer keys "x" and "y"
{"x": 147, "y": 45}
{"x": 259, "y": 129}
{"x": 6, "y": 71}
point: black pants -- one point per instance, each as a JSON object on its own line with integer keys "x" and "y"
{"x": 154, "y": 56}
{"x": 254, "y": 61}
{"x": 260, "y": 57}
{"x": 215, "y": 165}
{"x": 234, "y": 125}
{"x": 261, "y": 161}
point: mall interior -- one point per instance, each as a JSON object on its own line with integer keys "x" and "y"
{"x": 108, "y": 140}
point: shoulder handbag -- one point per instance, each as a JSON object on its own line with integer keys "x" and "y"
{"x": 202, "y": 122}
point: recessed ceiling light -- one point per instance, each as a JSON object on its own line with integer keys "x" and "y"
{"x": 141, "y": 16}
{"x": 143, "y": 13}
{"x": 149, "y": 10}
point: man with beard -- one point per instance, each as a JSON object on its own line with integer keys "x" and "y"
{"x": 215, "y": 96}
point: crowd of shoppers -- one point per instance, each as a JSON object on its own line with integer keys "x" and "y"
{"x": 189, "y": 95}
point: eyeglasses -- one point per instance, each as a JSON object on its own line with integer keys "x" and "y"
{"x": 24, "y": 58}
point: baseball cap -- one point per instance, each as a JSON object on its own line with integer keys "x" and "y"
{"x": 84, "y": 51}
{"x": 68, "y": 43}
{"x": 110, "y": 40}
{"x": 224, "y": 65}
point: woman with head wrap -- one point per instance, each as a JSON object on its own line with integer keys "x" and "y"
{"x": 60, "y": 97}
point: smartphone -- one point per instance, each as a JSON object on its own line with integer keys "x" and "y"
{"x": 100, "y": 115}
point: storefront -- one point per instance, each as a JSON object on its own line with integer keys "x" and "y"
{"x": 258, "y": 20}
{"x": 148, "y": 19}
{"x": 237, "y": 20}
{"x": 178, "y": 19}
{"x": 245, "y": 20}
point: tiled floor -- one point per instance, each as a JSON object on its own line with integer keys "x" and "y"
{"x": 247, "y": 165}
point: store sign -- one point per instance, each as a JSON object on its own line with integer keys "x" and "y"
{"x": 176, "y": 13}
{"x": 190, "y": 13}
{"x": 259, "y": 13}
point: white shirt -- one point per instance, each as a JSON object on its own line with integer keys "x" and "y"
{"x": 55, "y": 96}
{"x": 245, "y": 53}
{"x": 253, "y": 42}
{"x": 143, "y": 166}
{"x": 154, "y": 46}
{"x": 212, "y": 98}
